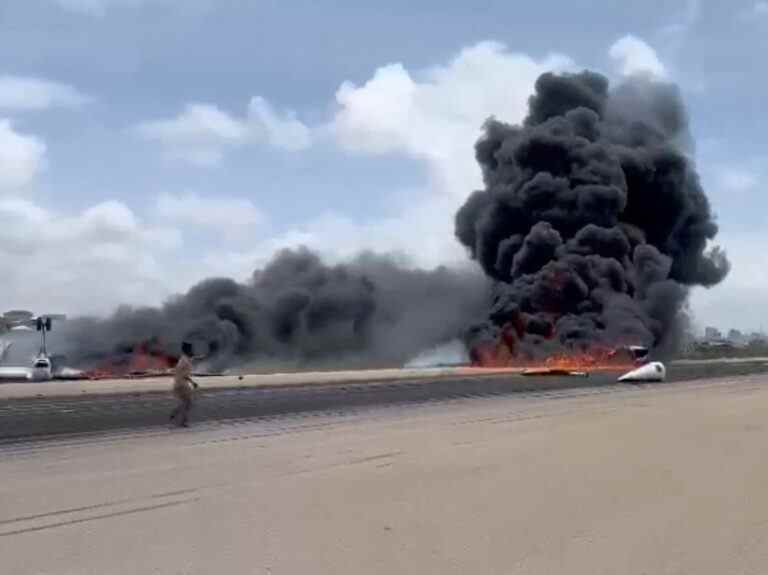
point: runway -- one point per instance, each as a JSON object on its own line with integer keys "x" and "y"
{"x": 55, "y": 414}
{"x": 663, "y": 479}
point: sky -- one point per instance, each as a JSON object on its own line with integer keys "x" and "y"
{"x": 147, "y": 144}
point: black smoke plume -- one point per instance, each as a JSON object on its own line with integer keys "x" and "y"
{"x": 593, "y": 223}
{"x": 590, "y": 231}
{"x": 296, "y": 311}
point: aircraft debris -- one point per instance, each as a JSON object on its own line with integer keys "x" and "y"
{"x": 650, "y": 372}
{"x": 554, "y": 371}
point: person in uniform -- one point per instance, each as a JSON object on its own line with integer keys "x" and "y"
{"x": 182, "y": 386}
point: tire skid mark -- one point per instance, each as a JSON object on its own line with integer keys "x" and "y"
{"x": 115, "y": 503}
{"x": 134, "y": 511}
{"x": 378, "y": 457}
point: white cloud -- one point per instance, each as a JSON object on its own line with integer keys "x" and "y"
{"x": 26, "y": 93}
{"x": 107, "y": 255}
{"x": 421, "y": 236}
{"x": 197, "y": 123}
{"x": 434, "y": 115}
{"x": 87, "y": 262}
{"x": 738, "y": 300}
{"x": 201, "y": 133}
{"x": 437, "y": 114}
{"x": 22, "y": 156}
{"x": 222, "y": 214}
{"x": 634, "y": 56}
{"x": 281, "y": 130}
{"x": 436, "y": 118}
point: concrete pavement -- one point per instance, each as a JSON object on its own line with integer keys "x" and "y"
{"x": 654, "y": 479}
{"x": 46, "y": 410}
{"x": 99, "y": 387}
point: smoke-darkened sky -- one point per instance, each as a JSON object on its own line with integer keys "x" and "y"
{"x": 146, "y": 166}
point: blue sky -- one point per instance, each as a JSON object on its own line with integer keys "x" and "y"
{"x": 145, "y": 144}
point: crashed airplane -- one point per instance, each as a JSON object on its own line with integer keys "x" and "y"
{"x": 41, "y": 367}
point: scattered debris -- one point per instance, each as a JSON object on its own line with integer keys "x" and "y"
{"x": 650, "y": 372}
{"x": 554, "y": 371}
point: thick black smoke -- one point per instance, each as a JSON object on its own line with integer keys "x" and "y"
{"x": 591, "y": 229}
{"x": 593, "y": 222}
{"x": 296, "y": 311}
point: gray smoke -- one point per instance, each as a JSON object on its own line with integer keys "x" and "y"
{"x": 296, "y": 311}
{"x": 593, "y": 223}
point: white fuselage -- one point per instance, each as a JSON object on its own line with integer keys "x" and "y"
{"x": 41, "y": 369}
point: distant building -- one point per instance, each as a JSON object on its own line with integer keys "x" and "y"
{"x": 718, "y": 343}
{"x": 737, "y": 338}
{"x": 756, "y": 338}
{"x": 712, "y": 334}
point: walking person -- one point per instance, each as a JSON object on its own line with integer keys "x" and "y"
{"x": 182, "y": 386}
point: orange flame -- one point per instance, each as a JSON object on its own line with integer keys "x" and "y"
{"x": 503, "y": 354}
{"x": 142, "y": 362}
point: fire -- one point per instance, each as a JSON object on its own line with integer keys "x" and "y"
{"x": 594, "y": 360}
{"x": 142, "y": 361}
{"x": 597, "y": 358}
{"x": 506, "y": 351}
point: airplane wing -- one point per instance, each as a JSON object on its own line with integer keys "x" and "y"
{"x": 17, "y": 315}
{"x": 23, "y": 318}
{"x": 15, "y": 374}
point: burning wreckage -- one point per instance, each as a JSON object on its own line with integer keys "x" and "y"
{"x": 590, "y": 230}
{"x": 593, "y": 225}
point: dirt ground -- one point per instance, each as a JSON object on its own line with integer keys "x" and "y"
{"x": 653, "y": 480}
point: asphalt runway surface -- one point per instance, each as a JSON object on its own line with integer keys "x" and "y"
{"x": 662, "y": 479}
{"x": 24, "y": 420}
